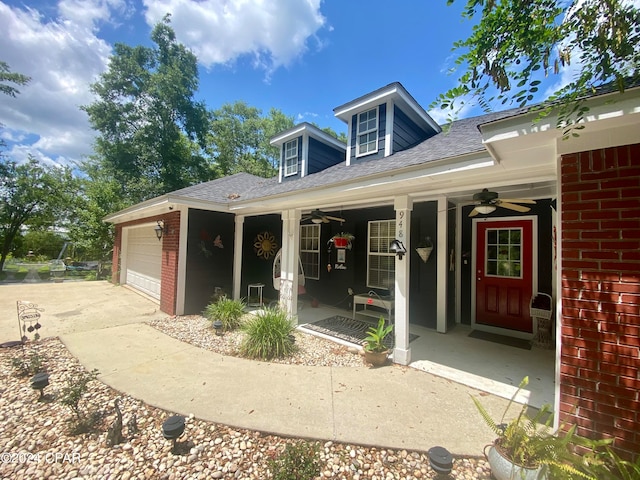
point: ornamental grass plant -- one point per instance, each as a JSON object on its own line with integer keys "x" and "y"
{"x": 227, "y": 310}
{"x": 269, "y": 334}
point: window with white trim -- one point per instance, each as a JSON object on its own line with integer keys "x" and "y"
{"x": 310, "y": 250}
{"x": 367, "y": 132}
{"x": 291, "y": 157}
{"x": 381, "y": 263}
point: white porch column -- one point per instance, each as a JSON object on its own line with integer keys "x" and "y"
{"x": 442, "y": 266}
{"x": 289, "y": 266}
{"x": 237, "y": 257}
{"x": 402, "y": 352}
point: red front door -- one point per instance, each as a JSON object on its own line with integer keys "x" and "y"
{"x": 504, "y": 273}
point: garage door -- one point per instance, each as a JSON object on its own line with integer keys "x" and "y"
{"x": 143, "y": 264}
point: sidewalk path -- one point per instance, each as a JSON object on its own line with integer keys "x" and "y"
{"x": 395, "y": 407}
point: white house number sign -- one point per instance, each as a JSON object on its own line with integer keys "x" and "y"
{"x": 400, "y": 226}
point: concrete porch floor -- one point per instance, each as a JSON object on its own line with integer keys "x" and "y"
{"x": 484, "y": 365}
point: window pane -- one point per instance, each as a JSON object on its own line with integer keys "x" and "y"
{"x": 503, "y": 252}
{"x": 381, "y": 263}
{"x": 310, "y": 250}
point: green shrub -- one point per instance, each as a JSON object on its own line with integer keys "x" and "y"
{"x": 28, "y": 365}
{"x": 228, "y": 311}
{"x": 72, "y": 394}
{"x": 269, "y": 335}
{"x": 299, "y": 461}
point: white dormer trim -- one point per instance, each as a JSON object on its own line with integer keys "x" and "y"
{"x": 305, "y": 155}
{"x": 349, "y": 137}
{"x": 303, "y": 132}
{"x": 395, "y": 93}
{"x": 388, "y": 135}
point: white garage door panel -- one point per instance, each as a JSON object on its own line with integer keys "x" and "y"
{"x": 144, "y": 255}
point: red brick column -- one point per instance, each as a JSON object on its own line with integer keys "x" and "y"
{"x": 600, "y": 356}
{"x": 169, "y": 272}
{"x": 115, "y": 259}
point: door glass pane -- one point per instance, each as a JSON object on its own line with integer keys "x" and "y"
{"x": 503, "y": 252}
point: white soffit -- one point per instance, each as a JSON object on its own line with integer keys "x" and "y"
{"x": 612, "y": 120}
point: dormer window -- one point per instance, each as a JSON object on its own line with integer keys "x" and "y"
{"x": 367, "y": 132}
{"x": 291, "y": 158}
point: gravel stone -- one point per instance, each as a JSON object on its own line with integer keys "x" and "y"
{"x": 37, "y": 434}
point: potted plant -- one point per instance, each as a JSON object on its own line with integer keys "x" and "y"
{"x": 342, "y": 240}
{"x": 424, "y": 249}
{"x": 375, "y": 350}
{"x": 528, "y": 448}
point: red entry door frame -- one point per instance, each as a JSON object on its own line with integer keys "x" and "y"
{"x": 505, "y": 274}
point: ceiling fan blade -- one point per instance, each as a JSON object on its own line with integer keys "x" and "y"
{"x": 518, "y": 200}
{"x": 337, "y": 219}
{"x": 474, "y": 212}
{"x": 513, "y": 206}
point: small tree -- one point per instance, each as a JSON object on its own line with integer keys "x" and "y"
{"x": 32, "y": 194}
{"x": 71, "y": 396}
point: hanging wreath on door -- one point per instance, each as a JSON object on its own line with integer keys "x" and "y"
{"x": 265, "y": 245}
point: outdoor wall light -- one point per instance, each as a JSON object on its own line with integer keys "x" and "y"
{"x": 159, "y": 229}
{"x": 397, "y": 247}
{"x": 485, "y": 209}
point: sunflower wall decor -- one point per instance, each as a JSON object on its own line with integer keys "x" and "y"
{"x": 265, "y": 245}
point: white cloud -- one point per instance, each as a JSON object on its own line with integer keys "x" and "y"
{"x": 62, "y": 56}
{"x": 273, "y": 32}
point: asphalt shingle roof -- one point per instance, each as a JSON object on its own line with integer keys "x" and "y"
{"x": 462, "y": 138}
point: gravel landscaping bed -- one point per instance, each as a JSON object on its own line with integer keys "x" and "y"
{"x": 35, "y": 438}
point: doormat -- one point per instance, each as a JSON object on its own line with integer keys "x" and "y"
{"x": 345, "y": 328}
{"x": 501, "y": 339}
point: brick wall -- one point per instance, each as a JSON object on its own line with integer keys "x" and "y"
{"x": 169, "y": 272}
{"x": 600, "y": 356}
{"x": 115, "y": 259}
{"x": 169, "y": 268}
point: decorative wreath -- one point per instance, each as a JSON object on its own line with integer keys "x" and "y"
{"x": 265, "y": 245}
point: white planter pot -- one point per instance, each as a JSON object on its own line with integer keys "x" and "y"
{"x": 504, "y": 469}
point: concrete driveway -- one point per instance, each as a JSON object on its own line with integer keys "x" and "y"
{"x": 73, "y": 307}
{"x": 102, "y": 326}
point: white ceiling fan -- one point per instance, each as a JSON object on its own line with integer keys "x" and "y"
{"x": 486, "y": 202}
{"x": 318, "y": 216}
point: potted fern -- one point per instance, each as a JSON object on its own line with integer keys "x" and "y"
{"x": 375, "y": 349}
{"x": 342, "y": 240}
{"x": 528, "y": 448}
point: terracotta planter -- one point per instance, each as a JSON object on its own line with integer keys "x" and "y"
{"x": 377, "y": 359}
{"x": 504, "y": 469}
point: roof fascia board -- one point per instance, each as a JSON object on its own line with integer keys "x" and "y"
{"x": 395, "y": 92}
{"x": 151, "y": 208}
{"x": 309, "y": 129}
{"x": 600, "y": 107}
{"x": 364, "y": 187}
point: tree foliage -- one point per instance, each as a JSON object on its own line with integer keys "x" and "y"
{"x": 239, "y": 139}
{"x": 151, "y": 130}
{"x": 7, "y": 77}
{"x": 33, "y": 195}
{"x": 518, "y": 46}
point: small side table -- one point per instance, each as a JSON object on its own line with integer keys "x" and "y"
{"x": 258, "y": 288}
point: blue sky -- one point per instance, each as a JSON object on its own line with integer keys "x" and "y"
{"x": 304, "y": 57}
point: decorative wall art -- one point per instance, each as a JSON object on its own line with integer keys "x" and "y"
{"x": 265, "y": 245}
{"x": 206, "y": 242}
